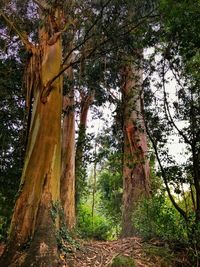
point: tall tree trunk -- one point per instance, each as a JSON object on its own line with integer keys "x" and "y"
{"x": 86, "y": 101}
{"x": 94, "y": 184}
{"x": 67, "y": 188}
{"x": 32, "y": 224}
{"x": 136, "y": 184}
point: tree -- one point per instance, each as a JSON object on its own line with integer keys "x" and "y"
{"x": 135, "y": 168}
{"x": 86, "y": 100}
{"x": 67, "y": 188}
{"x": 40, "y": 181}
{"x": 136, "y": 183}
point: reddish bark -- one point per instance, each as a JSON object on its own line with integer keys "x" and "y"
{"x": 136, "y": 182}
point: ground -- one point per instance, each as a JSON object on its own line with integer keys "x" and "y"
{"x": 133, "y": 250}
{"x": 104, "y": 253}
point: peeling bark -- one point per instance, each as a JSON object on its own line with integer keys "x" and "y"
{"x": 40, "y": 182}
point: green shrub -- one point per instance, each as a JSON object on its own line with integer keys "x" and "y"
{"x": 156, "y": 217}
{"x": 122, "y": 261}
{"x": 164, "y": 253}
{"x": 96, "y": 227}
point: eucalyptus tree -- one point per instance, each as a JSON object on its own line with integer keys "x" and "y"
{"x": 67, "y": 188}
{"x": 136, "y": 170}
{"x": 40, "y": 181}
{"x": 135, "y": 167}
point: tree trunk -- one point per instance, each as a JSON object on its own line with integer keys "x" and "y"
{"x": 136, "y": 184}
{"x": 32, "y": 224}
{"x": 94, "y": 184}
{"x": 86, "y": 101}
{"x": 67, "y": 188}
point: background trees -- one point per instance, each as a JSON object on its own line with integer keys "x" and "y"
{"x": 12, "y": 136}
{"x": 176, "y": 111}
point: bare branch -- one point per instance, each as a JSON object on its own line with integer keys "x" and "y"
{"x": 169, "y": 116}
{"x": 177, "y": 207}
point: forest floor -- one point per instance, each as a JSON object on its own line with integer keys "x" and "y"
{"x": 123, "y": 252}
{"x": 126, "y": 252}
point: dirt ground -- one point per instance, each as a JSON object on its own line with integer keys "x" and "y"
{"x": 102, "y": 253}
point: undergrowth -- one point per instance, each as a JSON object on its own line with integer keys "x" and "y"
{"x": 122, "y": 261}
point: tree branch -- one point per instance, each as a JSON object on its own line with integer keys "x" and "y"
{"x": 177, "y": 207}
{"x": 87, "y": 36}
{"x": 168, "y": 113}
{"x": 22, "y": 36}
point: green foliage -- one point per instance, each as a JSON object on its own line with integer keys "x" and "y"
{"x": 193, "y": 232}
{"x": 181, "y": 20}
{"x": 164, "y": 253}
{"x": 65, "y": 239}
{"x": 82, "y": 160}
{"x": 110, "y": 187}
{"x": 122, "y": 261}
{"x": 177, "y": 47}
{"x": 11, "y": 137}
{"x": 56, "y": 210}
{"x": 96, "y": 227}
{"x": 155, "y": 217}
{"x": 110, "y": 182}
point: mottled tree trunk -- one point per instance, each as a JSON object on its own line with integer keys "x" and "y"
{"x": 136, "y": 184}
{"x": 86, "y": 101}
{"x": 32, "y": 224}
{"x": 67, "y": 188}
